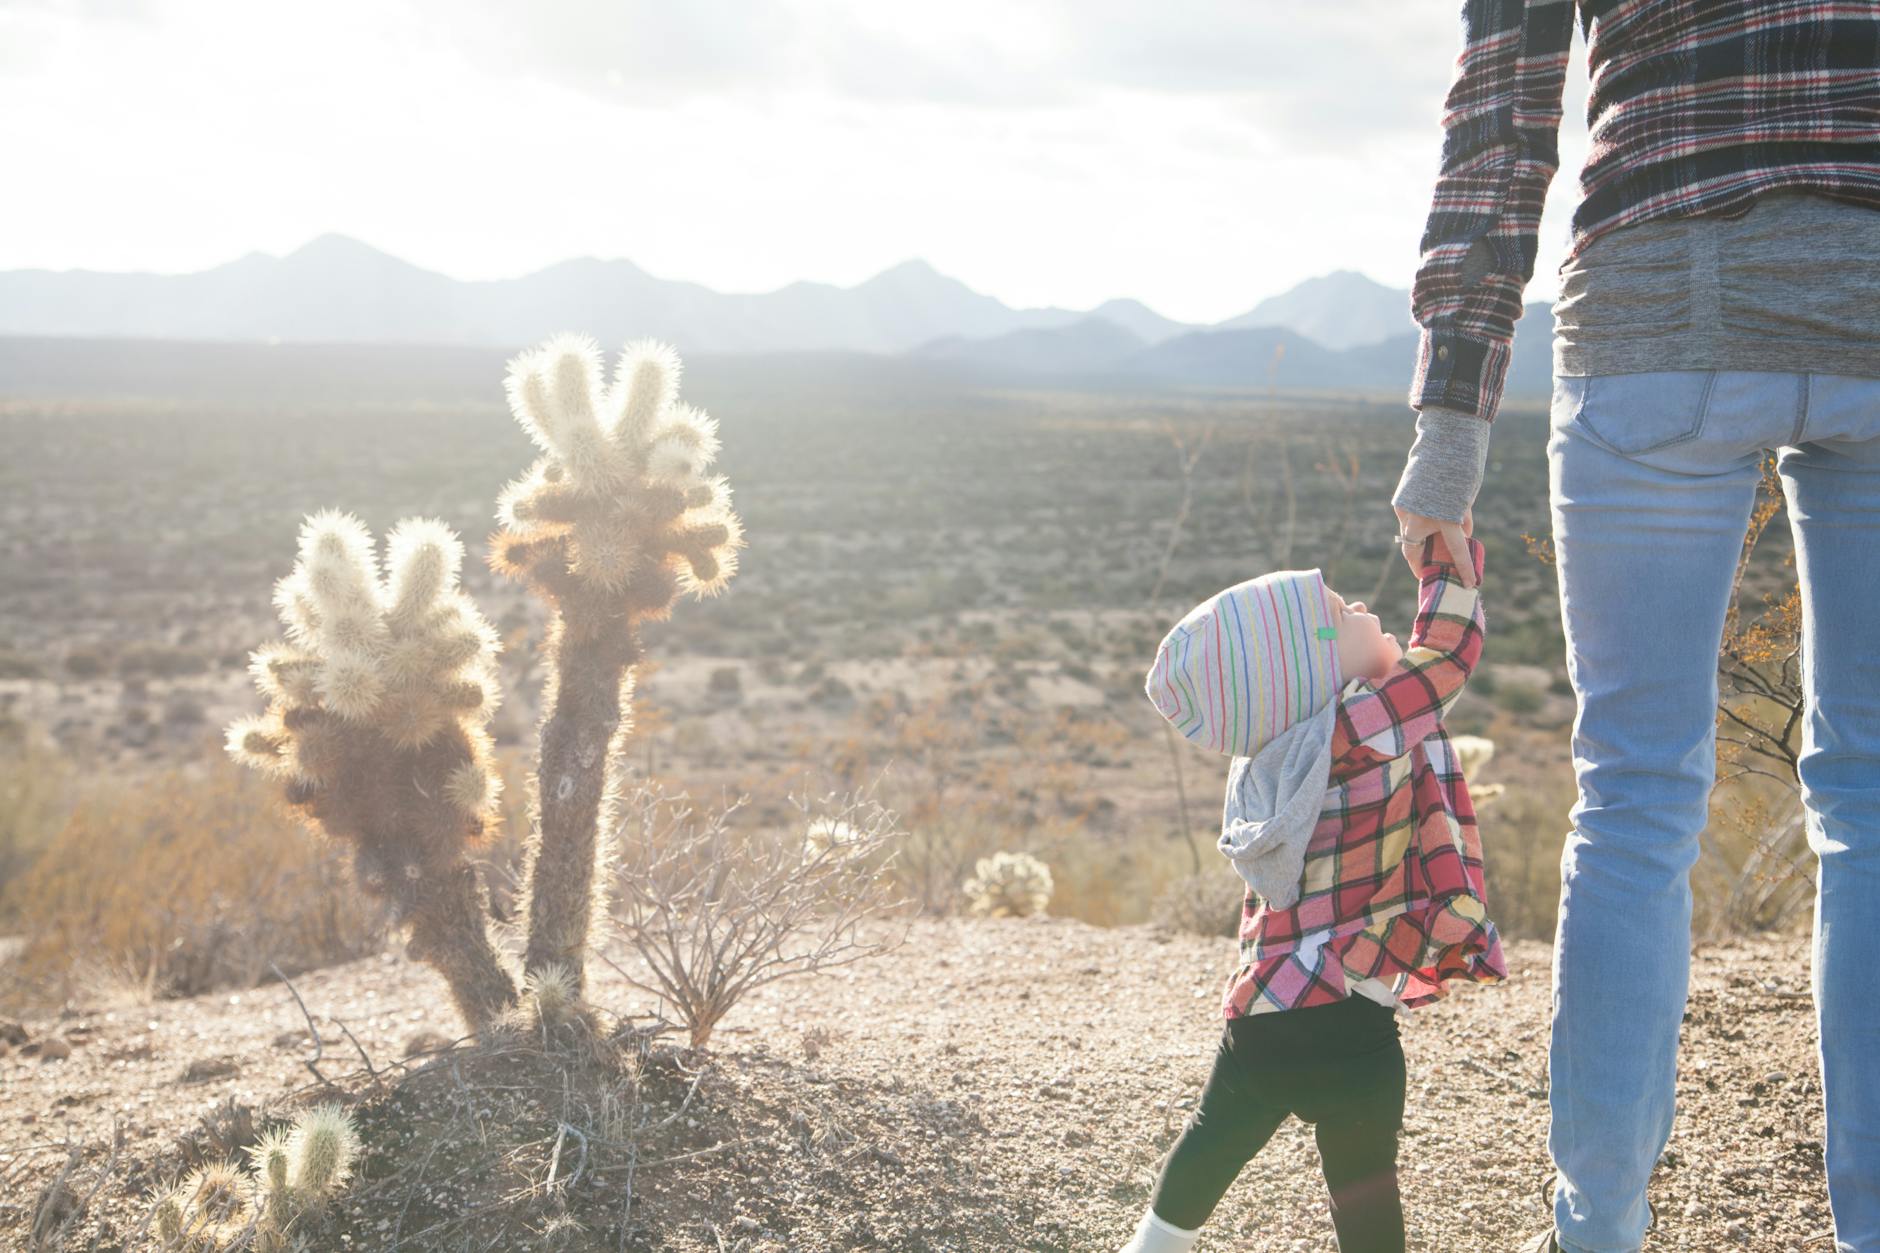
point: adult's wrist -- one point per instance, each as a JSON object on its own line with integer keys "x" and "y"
{"x": 1443, "y": 473}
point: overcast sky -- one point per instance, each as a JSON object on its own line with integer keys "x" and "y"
{"x": 1195, "y": 154}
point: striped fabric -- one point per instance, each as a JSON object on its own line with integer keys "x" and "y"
{"x": 1248, "y": 662}
{"x": 1392, "y": 902}
{"x": 1697, "y": 107}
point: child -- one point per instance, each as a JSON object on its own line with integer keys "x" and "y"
{"x": 1348, "y": 817}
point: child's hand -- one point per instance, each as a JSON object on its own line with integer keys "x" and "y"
{"x": 1414, "y": 528}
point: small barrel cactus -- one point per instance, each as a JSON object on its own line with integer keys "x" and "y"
{"x": 1009, "y": 885}
{"x": 614, "y": 522}
{"x": 379, "y": 702}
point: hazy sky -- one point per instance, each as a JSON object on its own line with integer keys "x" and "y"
{"x": 1195, "y": 154}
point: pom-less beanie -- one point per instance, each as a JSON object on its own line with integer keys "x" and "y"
{"x": 1248, "y": 662}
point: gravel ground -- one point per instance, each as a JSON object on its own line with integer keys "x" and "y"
{"x": 992, "y": 1085}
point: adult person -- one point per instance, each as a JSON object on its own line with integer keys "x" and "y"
{"x": 1721, "y": 297}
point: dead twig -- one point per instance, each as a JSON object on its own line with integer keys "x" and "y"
{"x": 319, "y": 1045}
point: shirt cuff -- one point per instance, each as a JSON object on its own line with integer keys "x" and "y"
{"x": 1459, "y": 373}
{"x": 1435, "y": 558}
{"x": 1443, "y": 472}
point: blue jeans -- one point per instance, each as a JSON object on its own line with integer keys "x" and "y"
{"x": 1652, "y": 478}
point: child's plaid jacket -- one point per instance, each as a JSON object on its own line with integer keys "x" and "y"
{"x": 1393, "y": 888}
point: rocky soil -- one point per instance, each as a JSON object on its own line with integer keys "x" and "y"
{"x": 992, "y": 1085}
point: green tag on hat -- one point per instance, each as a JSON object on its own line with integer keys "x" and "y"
{"x": 1328, "y": 633}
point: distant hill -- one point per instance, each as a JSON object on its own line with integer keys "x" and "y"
{"x": 1093, "y": 346}
{"x": 1255, "y": 357}
{"x": 339, "y": 290}
{"x": 1338, "y": 330}
{"x": 1343, "y": 309}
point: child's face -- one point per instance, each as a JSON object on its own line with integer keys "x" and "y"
{"x": 1365, "y": 649}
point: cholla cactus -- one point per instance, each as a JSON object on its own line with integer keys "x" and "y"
{"x": 549, "y": 994}
{"x": 612, "y": 523}
{"x": 1009, "y": 884}
{"x": 826, "y": 835}
{"x": 378, "y": 704}
{"x": 274, "y": 1193}
{"x": 1473, "y": 752}
{"x": 297, "y": 1168}
{"x": 209, "y": 1207}
{"x": 320, "y": 1151}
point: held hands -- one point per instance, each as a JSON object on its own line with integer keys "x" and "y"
{"x": 1414, "y": 528}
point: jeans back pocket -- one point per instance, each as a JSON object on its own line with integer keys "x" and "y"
{"x": 1631, "y": 414}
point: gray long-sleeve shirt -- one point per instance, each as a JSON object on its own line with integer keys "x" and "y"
{"x": 1792, "y": 285}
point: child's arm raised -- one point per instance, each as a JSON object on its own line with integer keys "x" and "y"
{"x": 1384, "y": 720}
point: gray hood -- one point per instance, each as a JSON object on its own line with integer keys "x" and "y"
{"x": 1273, "y": 802}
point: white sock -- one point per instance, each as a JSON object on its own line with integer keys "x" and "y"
{"x": 1158, "y": 1235}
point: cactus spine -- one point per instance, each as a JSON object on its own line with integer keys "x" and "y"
{"x": 610, "y": 526}
{"x": 378, "y": 704}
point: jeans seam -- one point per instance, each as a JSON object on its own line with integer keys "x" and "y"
{"x": 1801, "y": 408}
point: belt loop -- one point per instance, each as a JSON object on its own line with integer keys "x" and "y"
{"x": 1801, "y": 407}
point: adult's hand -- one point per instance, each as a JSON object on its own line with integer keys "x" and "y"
{"x": 1415, "y": 528}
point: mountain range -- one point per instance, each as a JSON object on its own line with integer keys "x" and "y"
{"x": 1338, "y": 330}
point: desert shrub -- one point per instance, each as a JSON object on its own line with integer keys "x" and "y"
{"x": 182, "y": 884}
{"x": 159, "y": 661}
{"x": 84, "y": 663}
{"x": 17, "y": 665}
{"x": 1518, "y": 698}
{"x": 832, "y": 691}
{"x": 33, "y": 803}
{"x": 716, "y": 907}
{"x": 1207, "y": 903}
{"x": 1756, "y": 872}
{"x": 1521, "y": 842}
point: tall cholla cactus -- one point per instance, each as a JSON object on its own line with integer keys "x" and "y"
{"x": 612, "y": 523}
{"x": 378, "y": 704}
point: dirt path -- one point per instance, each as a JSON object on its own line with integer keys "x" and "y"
{"x": 994, "y": 1085}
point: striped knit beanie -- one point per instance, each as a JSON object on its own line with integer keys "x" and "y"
{"x": 1248, "y": 662}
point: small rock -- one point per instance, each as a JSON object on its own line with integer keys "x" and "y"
{"x": 204, "y": 1069}
{"x": 54, "y": 1049}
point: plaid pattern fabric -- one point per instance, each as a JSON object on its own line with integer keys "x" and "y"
{"x": 1393, "y": 887}
{"x": 1697, "y": 107}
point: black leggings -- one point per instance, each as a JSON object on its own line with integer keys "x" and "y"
{"x": 1339, "y": 1067}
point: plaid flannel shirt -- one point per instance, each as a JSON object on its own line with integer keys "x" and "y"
{"x": 1393, "y": 887}
{"x": 1696, "y": 108}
